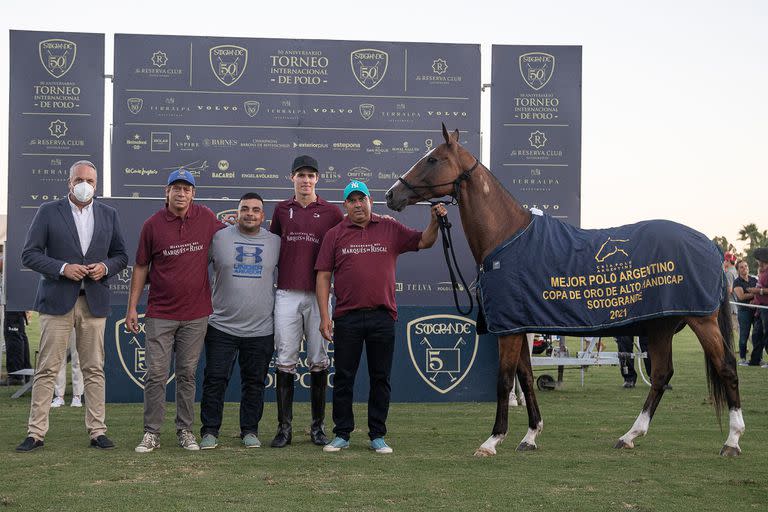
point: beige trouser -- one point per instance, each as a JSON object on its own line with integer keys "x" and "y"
{"x": 54, "y": 338}
{"x": 77, "y": 375}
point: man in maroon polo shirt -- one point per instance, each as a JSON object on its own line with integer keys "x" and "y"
{"x": 361, "y": 253}
{"x": 173, "y": 253}
{"x": 301, "y": 222}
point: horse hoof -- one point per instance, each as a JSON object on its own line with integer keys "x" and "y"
{"x": 526, "y": 447}
{"x": 623, "y": 444}
{"x": 484, "y": 452}
{"x": 730, "y": 451}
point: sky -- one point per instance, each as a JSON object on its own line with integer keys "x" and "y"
{"x": 673, "y": 100}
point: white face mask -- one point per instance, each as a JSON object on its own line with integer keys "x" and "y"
{"x": 83, "y": 191}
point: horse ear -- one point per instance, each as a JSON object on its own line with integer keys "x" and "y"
{"x": 456, "y": 135}
{"x": 446, "y": 135}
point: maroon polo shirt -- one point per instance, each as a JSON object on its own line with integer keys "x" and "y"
{"x": 363, "y": 262}
{"x": 176, "y": 249}
{"x": 301, "y": 231}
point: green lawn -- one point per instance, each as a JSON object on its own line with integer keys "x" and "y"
{"x": 676, "y": 467}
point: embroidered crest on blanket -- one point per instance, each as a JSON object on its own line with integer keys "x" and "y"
{"x": 554, "y": 278}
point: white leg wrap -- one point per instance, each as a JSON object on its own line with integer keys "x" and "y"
{"x": 490, "y": 444}
{"x": 532, "y": 434}
{"x": 639, "y": 428}
{"x": 736, "y": 430}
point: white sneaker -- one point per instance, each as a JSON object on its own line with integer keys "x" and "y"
{"x": 76, "y": 402}
{"x": 57, "y": 401}
{"x": 187, "y": 440}
{"x": 148, "y": 443}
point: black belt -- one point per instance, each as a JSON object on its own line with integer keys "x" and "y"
{"x": 82, "y": 291}
{"x": 370, "y": 309}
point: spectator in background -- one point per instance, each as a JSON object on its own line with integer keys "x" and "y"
{"x": 729, "y": 262}
{"x": 745, "y": 315}
{"x": 60, "y": 388}
{"x": 16, "y": 346}
{"x": 760, "y": 292}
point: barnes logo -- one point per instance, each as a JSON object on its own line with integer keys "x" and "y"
{"x": 442, "y": 349}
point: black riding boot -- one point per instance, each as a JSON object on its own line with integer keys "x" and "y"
{"x": 319, "y": 383}
{"x": 284, "y": 394}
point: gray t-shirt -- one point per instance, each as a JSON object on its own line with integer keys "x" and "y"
{"x": 244, "y": 274}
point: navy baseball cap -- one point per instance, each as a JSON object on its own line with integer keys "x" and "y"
{"x": 304, "y": 161}
{"x": 356, "y": 186}
{"x": 181, "y": 174}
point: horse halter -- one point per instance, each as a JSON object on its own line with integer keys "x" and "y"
{"x": 464, "y": 176}
{"x": 445, "y": 230}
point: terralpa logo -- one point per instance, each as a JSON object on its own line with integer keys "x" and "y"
{"x": 442, "y": 349}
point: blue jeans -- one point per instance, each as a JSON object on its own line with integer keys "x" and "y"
{"x": 375, "y": 329}
{"x": 746, "y": 318}
{"x": 253, "y": 354}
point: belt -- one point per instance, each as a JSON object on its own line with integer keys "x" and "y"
{"x": 369, "y": 309}
{"x": 82, "y": 291}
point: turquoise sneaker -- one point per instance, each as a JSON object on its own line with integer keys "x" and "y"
{"x": 336, "y": 445}
{"x": 380, "y": 446}
{"x": 251, "y": 441}
{"x": 209, "y": 442}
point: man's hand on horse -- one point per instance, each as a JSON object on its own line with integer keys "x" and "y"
{"x": 439, "y": 211}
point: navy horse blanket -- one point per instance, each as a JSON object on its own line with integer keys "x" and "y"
{"x": 553, "y": 278}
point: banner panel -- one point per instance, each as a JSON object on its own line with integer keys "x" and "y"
{"x": 56, "y": 118}
{"x": 536, "y": 126}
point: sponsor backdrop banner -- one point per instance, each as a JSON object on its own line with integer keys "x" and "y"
{"x": 438, "y": 358}
{"x": 56, "y": 118}
{"x": 237, "y": 111}
{"x": 536, "y": 126}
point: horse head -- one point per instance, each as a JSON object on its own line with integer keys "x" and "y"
{"x": 437, "y": 174}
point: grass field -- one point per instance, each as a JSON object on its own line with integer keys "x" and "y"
{"x": 676, "y": 467}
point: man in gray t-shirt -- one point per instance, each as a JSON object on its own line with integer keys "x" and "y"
{"x": 244, "y": 259}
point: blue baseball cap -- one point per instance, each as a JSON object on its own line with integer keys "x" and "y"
{"x": 356, "y": 186}
{"x": 181, "y": 174}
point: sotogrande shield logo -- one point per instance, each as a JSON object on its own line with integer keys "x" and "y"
{"x": 369, "y": 66}
{"x": 57, "y": 56}
{"x": 131, "y": 349}
{"x": 536, "y": 68}
{"x": 442, "y": 349}
{"x": 228, "y": 62}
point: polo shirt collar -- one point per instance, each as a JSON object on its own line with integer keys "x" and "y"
{"x": 192, "y": 212}
{"x": 375, "y": 219}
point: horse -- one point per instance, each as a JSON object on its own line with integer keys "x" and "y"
{"x": 490, "y": 216}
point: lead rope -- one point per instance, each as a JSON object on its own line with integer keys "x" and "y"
{"x": 445, "y": 231}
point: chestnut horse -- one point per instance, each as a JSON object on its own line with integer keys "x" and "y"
{"x": 489, "y": 216}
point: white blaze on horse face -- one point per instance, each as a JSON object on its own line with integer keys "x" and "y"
{"x": 639, "y": 428}
{"x": 736, "y": 429}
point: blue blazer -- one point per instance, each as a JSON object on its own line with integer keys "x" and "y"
{"x": 52, "y": 240}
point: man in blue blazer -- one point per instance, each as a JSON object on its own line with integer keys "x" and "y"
{"x": 75, "y": 244}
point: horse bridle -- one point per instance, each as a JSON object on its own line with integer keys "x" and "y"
{"x": 445, "y": 230}
{"x": 464, "y": 176}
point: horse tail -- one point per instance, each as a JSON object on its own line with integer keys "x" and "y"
{"x": 717, "y": 389}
